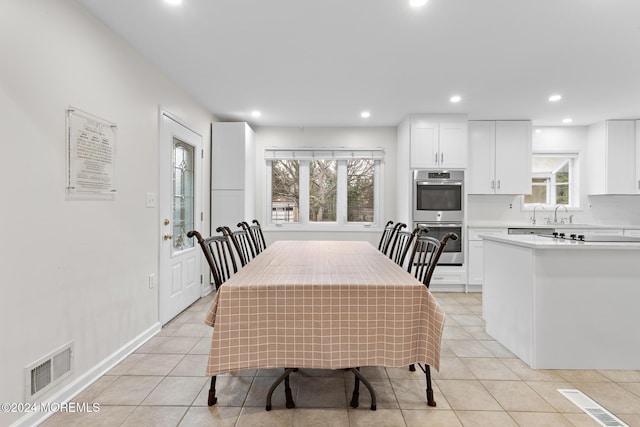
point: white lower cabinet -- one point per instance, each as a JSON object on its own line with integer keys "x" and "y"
{"x": 448, "y": 279}
{"x": 475, "y": 260}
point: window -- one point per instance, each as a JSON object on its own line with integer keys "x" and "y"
{"x": 329, "y": 186}
{"x": 554, "y": 180}
{"x": 285, "y": 193}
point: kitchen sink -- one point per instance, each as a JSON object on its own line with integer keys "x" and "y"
{"x": 531, "y": 230}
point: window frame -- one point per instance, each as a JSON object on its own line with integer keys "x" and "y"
{"x": 342, "y": 156}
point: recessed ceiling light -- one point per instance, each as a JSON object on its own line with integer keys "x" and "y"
{"x": 567, "y": 120}
{"x": 417, "y": 3}
{"x": 365, "y": 114}
{"x": 455, "y": 98}
{"x": 538, "y": 130}
{"x": 174, "y": 2}
{"x": 555, "y": 98}
{"x": 256, "y": 113}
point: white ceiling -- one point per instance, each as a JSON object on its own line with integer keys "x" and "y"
{"x": 320, "y": 63}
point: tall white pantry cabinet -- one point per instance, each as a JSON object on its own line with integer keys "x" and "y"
{"x": 233, "y": 174}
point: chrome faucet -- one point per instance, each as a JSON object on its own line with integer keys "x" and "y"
{"x": 555, "y": 213}
{"x": 533, "y": 220}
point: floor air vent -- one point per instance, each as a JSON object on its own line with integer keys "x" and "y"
{"x": 46, "y": 372}
{"x": 592, "y": 408}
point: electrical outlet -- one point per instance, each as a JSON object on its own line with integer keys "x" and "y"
{"x": 510, "y": 205}
{"x": 152, "y": 281}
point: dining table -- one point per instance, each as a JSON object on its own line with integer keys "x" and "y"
{"x": 322, "y": 305}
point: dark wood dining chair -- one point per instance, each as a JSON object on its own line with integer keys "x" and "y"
{"x": 403, "y": 242}
{"x": 422, "y": 263}
{"x": 388, "y": 235}
{"x": 256, "y": 235}
{"x": 241, "y": 242}
{"x": 219, "y": 255}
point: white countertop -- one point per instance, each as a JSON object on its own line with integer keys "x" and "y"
{"x": 538, "y": 242}
{"x": 489, "y": 224}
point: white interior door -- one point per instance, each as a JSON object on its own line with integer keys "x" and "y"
{"x": 180, "y": 212}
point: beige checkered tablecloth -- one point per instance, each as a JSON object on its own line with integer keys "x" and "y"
{"x": 323, "y": 304}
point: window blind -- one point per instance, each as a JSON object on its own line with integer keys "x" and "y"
{"x": 336, "y": 153}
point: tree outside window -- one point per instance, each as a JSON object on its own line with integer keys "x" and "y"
{"x": 322, "y": 190}
{"x": 285, "y": 190}
{"x": 360, "y": 190}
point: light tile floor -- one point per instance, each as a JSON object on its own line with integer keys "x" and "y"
{"x": 480, "y": 383}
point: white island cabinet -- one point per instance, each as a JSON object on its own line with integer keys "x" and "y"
{"x": 562, "y": 304}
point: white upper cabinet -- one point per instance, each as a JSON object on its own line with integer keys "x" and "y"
{"x": 500, "y": 157}
{"x": 637, "y": 183}
{"x": 611, "y": 158}
{"x": 437, "y": 144}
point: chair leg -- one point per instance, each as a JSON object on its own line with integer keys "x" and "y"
{"x": 356, "y": 393}
{"x": 284, "y": 376}
{"x": 356, "y": 372}
{"x": 412, "y": 367}
{"x": 427, "y": 372}
{"x": 289, "y": 403}
{"x": 212, "y": 392}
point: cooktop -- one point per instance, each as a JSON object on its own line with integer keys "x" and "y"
{"x": 597, "y": 238}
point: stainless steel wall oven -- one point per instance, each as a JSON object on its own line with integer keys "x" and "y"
{"x": 438, "y": 196}
{"x": 438, "y": 204}
{"x": 453, "y": 253}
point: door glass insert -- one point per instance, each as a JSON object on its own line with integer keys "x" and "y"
{"x": 183, "y": 194}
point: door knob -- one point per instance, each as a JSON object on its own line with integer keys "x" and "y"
{"x": 167, "y": 236}
{"x": 166, "y": 221}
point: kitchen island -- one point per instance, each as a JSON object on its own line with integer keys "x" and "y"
{"x": 560, "y": 304}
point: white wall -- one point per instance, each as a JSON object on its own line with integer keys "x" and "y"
{"x": 355, "y": 137}
{"x": 75, "y": 270}
{"x": 614, "y": 210}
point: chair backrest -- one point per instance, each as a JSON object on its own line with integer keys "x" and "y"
{"x": 425, "y": 255}
{"x": 219, "y": 255}
{"x": 388, "y": 236}
{"x": 241, "y": 242}
{"x": 402, "y": 243}
{"x": 255, "y": 233}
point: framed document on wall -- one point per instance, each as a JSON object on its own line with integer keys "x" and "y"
{"x": 91, "y": 156}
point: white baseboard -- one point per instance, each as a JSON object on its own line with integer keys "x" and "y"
{"x": 72, "y": 389}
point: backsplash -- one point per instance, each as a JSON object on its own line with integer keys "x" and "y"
{"x": 597, "y": 210}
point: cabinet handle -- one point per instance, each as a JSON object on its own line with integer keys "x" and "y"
{"x": 498, "y": 184}
{"x": 493, "y": 184}
{"x": 441, "y": 158}
{"x": 436, "y": 159}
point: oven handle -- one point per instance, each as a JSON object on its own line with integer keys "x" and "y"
{"x": 440, "y": 224}
{"x": 439, "y": 183}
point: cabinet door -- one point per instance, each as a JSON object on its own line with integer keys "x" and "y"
{"x": 424, "y": 144}
{"x": 513, "y": 157}
{"x": 453, "y": 145}
{"x": 475, "y": 270}
{"x": 481, "y": 149}
{"x": 620, "y": 157}
{"x": 637, "y": 182}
